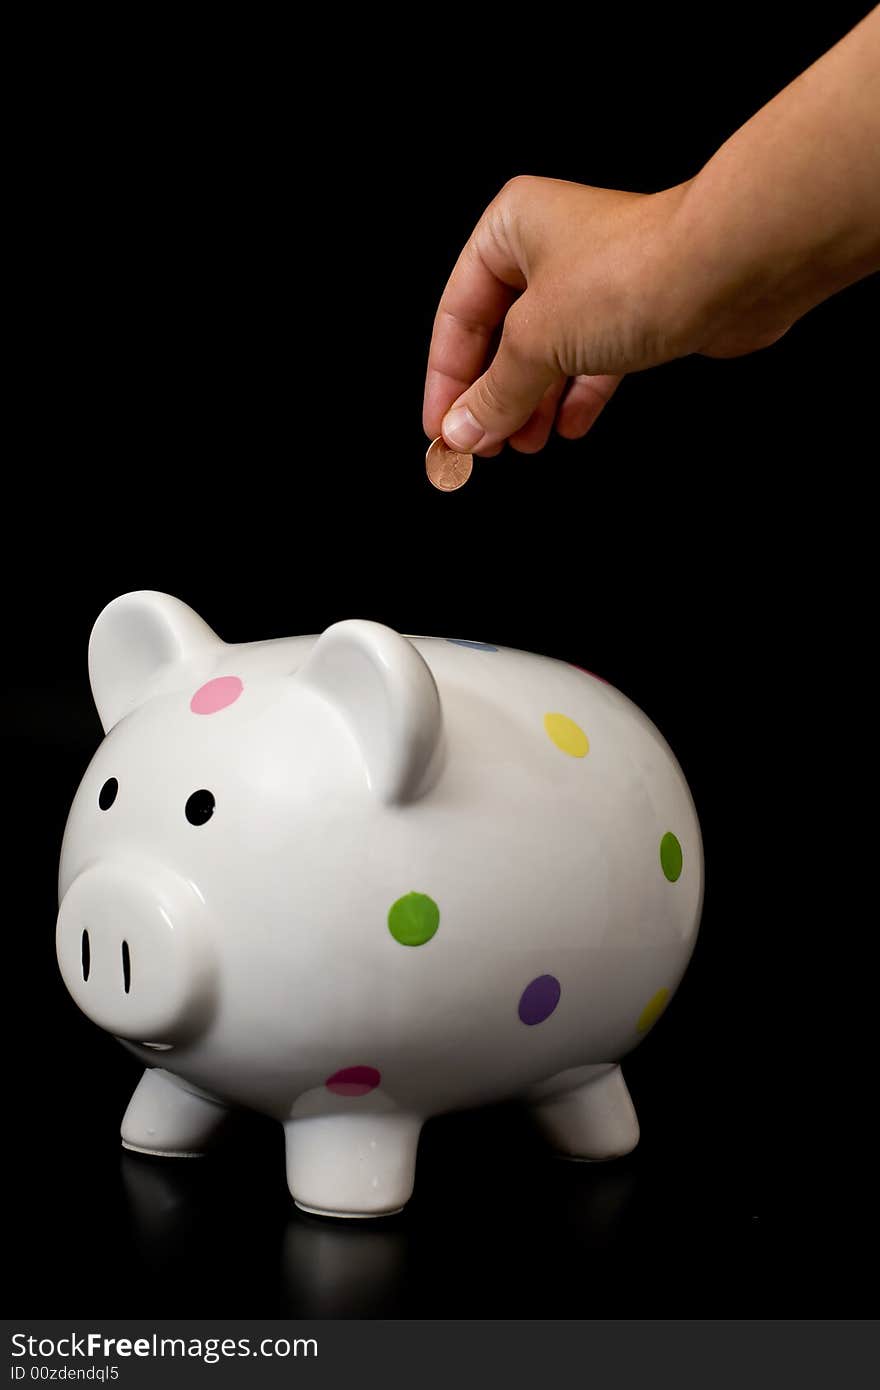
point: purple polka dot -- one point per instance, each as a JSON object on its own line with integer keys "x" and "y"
{"x": 539, "y": 999}
{"x": 476, "y": 646}
{"x": 216, "y": 694}
{"x": 353, "y": 1081}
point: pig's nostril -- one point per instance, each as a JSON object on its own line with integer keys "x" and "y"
{"x": 86, "y": 955}
{"x": 126, "y": 967}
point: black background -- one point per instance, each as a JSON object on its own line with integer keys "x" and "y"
{"x": 233, "y": 246}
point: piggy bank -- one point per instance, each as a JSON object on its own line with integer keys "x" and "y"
{"x": 355, "y": 880}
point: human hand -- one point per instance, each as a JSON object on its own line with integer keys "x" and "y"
{"x": 572, "y": 273}
{"x": 589, "y": 283}
{"x": 586, "y": 284}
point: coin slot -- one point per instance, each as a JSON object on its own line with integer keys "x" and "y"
{"x": 86, "y": 955}
{"x": 126, "y": 967}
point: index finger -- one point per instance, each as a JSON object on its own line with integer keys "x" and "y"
{"x": 481, "y": 289}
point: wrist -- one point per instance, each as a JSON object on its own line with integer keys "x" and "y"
{"x": 737, "y": 285}
{"x": 679, "y": 282}
{"x": 744, "y": 270}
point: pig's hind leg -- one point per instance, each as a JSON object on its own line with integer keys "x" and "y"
{"x": 594, "y": 1119}
{"x": 165, "y": 1118}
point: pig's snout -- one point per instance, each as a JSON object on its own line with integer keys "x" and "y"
{"x": 134, "y": 948}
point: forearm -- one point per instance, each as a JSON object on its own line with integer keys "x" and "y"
{"x": 788, "y": 210}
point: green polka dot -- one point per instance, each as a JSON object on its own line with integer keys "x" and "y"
{"x": 413, "y": 919}
{"x": 670, "y": 856}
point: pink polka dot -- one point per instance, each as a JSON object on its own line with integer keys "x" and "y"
{"x": 353, "y": 1081}
{"x": 216, "y": 694}
{"x": 590, "y": 673}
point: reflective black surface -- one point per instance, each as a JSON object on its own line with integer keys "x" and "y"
{"x": 725, "y": 1205}
{"x": 498, "y": 1227}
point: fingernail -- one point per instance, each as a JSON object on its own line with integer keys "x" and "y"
{"x": 461, "y": 430}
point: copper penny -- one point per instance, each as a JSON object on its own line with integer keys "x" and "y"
{"x": 446, "y": 469}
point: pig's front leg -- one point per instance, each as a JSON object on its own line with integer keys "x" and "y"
{"x": 595, "y": 1120}
{"x": 352, "y": 1165}
{"x": 164, "y": 1117}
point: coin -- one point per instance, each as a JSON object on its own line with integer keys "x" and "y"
{"x": 446, "y": 469}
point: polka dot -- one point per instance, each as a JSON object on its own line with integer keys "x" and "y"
{"x": 590, "y": 673}
{"x": 670, "y": 856}
{"x": 477, "y": 646}
{"x": 652, "y": 1010}
{"x": 413, "y": 919}
{"x": 539, "y": 999}
{"x": 353, "y": 1081}
{"x": 568, "y": 736}
{"x": 216, "y": 694}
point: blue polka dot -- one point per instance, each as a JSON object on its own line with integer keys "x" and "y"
{"x": 477, "y": 646}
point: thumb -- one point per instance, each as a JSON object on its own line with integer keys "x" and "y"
{"x": 505, "y": 396}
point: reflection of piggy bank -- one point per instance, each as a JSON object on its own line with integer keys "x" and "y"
{"x": 355, "y": 880}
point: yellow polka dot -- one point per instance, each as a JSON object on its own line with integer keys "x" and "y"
{"x": 567, "y": 735}
{"x": 652, "y": 1010}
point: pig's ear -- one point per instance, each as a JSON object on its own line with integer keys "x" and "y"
{"x": 383, "y": 690}
{"x": 134, "y": 637}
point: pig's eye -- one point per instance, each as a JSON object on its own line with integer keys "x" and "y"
{"x": 107, "y": 794}
{"x": 199, "y": 807}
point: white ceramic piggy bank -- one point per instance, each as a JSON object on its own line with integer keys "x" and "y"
{"x": 356, "y": 880}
